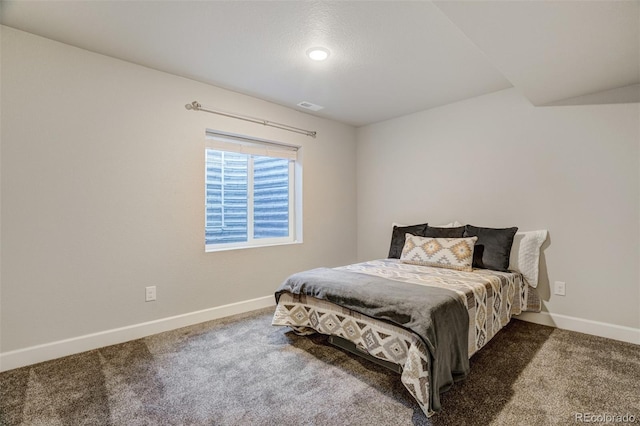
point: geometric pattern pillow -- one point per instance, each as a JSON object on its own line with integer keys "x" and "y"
{"x": 451, "y": 253}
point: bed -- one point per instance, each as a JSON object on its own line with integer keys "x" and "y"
{"x": 426, "y": 318}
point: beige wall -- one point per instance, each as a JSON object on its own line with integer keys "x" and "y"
{"x": 102, "y": 194}
{"x": 497, "y": 161}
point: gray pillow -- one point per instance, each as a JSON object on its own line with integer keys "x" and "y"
{"x": 398, "y": 238}
{"x": 435, "y": 232}
{"x": 493, "y": 248}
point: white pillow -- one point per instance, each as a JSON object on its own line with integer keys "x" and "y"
{"x": 454, "y": 224}
{"x": 525, "y": 254}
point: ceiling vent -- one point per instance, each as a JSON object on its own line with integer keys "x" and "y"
{"x": 310, "y": 106}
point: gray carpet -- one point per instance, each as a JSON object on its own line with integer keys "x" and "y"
{"x": 243, "y": 371}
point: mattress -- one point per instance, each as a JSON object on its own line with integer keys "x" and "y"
{"x": 491, "y": 298}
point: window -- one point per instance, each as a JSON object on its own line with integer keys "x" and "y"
{"x": 250, "y": 192}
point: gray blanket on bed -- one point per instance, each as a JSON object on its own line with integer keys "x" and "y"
{"x": 435, "y": 314}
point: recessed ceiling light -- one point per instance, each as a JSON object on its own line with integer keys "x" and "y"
{"x": 318, "y": 53}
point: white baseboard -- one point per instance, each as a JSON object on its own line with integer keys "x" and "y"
{"x": 53, "y": 350}
{"x": 602, "y": 329}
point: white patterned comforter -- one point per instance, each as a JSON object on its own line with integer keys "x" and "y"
{"x": 491, "y": 299}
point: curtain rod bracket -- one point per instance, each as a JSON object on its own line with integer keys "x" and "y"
{"x": 195, "y": 106}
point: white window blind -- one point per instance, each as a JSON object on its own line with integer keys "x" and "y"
{"x": 243, "y": 145}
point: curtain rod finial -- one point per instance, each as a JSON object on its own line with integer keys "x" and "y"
{"x": 193, "y": 105}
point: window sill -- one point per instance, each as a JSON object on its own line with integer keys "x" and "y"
{"x": 218, "y": 249}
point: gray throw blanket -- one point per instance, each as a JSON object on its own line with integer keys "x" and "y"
{"x": 435, "y": 314}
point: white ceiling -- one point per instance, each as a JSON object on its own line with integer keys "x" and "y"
{"x": 388, "y": 58}
{"x": 555, "y": 50}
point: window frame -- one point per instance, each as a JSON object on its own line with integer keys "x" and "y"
{"x": 228, "y": 142}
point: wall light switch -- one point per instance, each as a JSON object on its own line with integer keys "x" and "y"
{"x": 150, "y": 293}
{"x": 559, "y": 288}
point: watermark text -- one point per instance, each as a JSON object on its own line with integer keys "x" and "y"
{"x": 605, "y": 418}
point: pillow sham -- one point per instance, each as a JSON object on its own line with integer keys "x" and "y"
{"x": 444, "y": 232}
{"x": 525, "y": 254}
{"x": 398, "y": 238}
{"x": 451, "y": 253}
{"x": 454, "y": 224}
{"x": 493, "y": 248}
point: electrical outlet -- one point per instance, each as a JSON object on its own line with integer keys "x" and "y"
{"x": 150, "y": 293}
{"x": 559, "y": 288}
